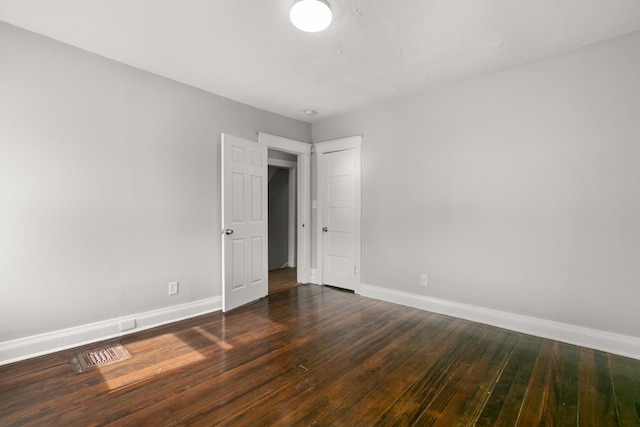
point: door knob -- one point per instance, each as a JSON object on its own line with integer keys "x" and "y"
{"x": 325, "y": 229}
{"x": 228, "y": 231}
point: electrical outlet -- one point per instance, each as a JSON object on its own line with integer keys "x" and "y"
{"x": 173, "y": 288}
{"x": 424, "y": 280}
{"x": 127, "y": 324}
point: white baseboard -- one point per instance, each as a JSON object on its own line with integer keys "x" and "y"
{"x": 623, "y": 345}
{"x": 314, "y": 277}
{"x": 37, "y": 345}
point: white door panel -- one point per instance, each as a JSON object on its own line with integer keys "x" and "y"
{"x": 338, "y": 215}
{"x": 340, "y": 244}
{"x": 244, "y": 222}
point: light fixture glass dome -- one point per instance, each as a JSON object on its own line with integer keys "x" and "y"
{"x": 311, "y": 15}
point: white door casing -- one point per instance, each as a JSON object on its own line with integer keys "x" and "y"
{"x": 244, "y": 222}
{"x": 292, "y": 258}
{"x": 339, "y": 210}
{"x": 303, "y": 197}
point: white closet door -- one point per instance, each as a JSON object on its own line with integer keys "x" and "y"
{"x": 338, "y": 231}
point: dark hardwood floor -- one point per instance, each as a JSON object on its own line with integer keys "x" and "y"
{"x": 282, "y": 279}
{"x": 313, "y": 355}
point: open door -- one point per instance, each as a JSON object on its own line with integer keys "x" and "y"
{"x": 244, "y": 222}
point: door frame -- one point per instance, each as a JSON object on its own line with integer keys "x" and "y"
{"x": 319, "y": 149}
{"x": 302, "y": 150}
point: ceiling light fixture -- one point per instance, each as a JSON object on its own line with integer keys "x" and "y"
{"x": 311, "y": 15}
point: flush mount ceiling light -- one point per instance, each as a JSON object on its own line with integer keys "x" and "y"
{"x": 311, "y": 15}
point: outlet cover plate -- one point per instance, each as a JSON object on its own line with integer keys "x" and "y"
{"x": 424, "y": 280}
{"x": 173, "y": 288}
{"x": 127, "y": 324}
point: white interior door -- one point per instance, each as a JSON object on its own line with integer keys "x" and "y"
{"x": 244, "y": 222}
{"x": 339, "y": 213}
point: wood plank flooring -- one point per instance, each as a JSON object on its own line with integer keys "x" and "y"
{"x": 313, "y": 355}
{"x": 282, "y": 279}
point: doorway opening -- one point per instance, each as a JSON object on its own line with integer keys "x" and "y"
{"x": 282, "y": 202}
{"x": 295, "y": 157}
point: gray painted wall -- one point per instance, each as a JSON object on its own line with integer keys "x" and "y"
{"x": 109, "y": 185}
{"x": 518, "y": 191}
{"x": 278, "y": 217}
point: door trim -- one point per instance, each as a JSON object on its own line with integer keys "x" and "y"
{"x": 319, "y": 149}
{"x": 338, "y": 144}
{"x": 303, "y": 188}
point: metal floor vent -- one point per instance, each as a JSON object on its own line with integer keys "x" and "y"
{"x": 96, "y": 358}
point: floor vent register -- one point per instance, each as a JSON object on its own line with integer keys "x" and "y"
{"x": 99, "y": 357}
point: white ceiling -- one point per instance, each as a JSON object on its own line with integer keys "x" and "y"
{"x": 374, "y": 51}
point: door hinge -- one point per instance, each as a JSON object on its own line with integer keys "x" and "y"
{"x": 354, "y": 269}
